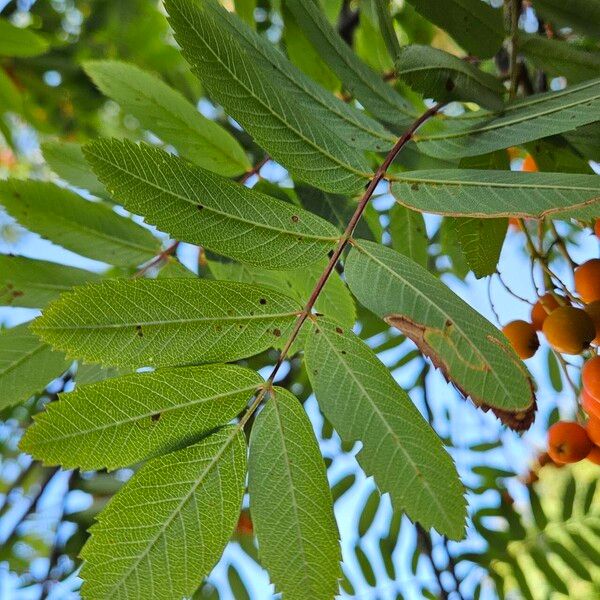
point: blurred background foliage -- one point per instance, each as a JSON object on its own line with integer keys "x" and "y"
{"x": 534, "y": 529}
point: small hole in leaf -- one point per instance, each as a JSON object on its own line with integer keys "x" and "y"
{"x": 199, "y": 206}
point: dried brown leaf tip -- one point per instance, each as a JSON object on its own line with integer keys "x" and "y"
{"x": 430, "y": 339}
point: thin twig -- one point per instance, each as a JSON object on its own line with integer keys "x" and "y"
{"x": 255, "y": 170}
{"x": 157, "y": 259}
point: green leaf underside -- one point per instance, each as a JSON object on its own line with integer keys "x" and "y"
{"x": 16, "y": 41}
{"x": 581, "y": 15}
{"x": 481, "y": 242}
{"x": 164, "y": 530}
{"x": 27, "y": 365}
{"x": 335, "y": 299}
{"x": 165, "y": 322}
{"x": 471, "y": 352}
{"x": 541, "y": 115}
{"x": 409, "y": 235}
{"x": 290, "y": 502}
{"x": 363, "y": 402}
{"x": 485, "y": 193}
{"x": 301, "y": 126}
{"x": 32, "y": 283}
{"x": 360, "y": 80}
{"x": 560, "y": 58}
{"x": 475, "y": 25}
{"x": 119, "y": 422}
{"x": 440, "y": 75}
{"x": 170, "y": 116}
{"x": 89, "y": 228}
{"x": 67, "y": 161}
{"x": 200, "y": 207}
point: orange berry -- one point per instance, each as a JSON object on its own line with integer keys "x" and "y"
{"x": 593, "y": 430}
{"x": 514, "y": 223}
{"x": 587, "y": 280}
{"x": 593, "y": 309}
{"x": 597, "y": 227}
{"x": 590, "y": 377}
{"x": 244, "y": 526}
{"x": 594, "y": 455}
{"x": 590, "y": 404}
{"x": 522, "y": 337}
{"x": 568, "y": 442}
{"x": 569, "y": 330}
{"x": 529, "y": 164}
{"x": 542, "y": 308}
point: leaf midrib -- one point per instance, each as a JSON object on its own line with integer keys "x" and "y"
{"x": 494, "y": 126}
{"x": 220, "y": 319}
{"x": 12, "y": 366}
{"x": 139, "y": 417}
{"x": 458, "y": 182}
{"x": 210, "y": 208}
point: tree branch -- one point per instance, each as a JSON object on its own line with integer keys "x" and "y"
{"x": 335, "y": 256}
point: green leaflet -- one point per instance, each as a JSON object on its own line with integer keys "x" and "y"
{"x": 27, "y": 365}
{"x": 359, "y": 79}
{"x": 581, "y": 15}
{"x": 304, "y": 55}
{"x": 386, "y": 26}
{"x": 532, "y": 118}
{"x": 469, "y": 350}
{"x": 33, "y": 283}
{"x": 15, "y": 41}
{"x": 409, "y": 236}
{"x": 363, "y": 402}
{"x": 121, "y": 421}
{"x": 197, "y": 206}
{"x": 475, "y": 25}
{"x": 291, "y": 503}
{"x": 485, "y": 193}
{"x": 335, "y": 300}
{"x": 162, "y": 322}
{"x": 440, "y": 75}
{"x": 481, "y": 242}
{"x": 67, "y": 161}
{"x": 559, "y": 58}
{"x": 88, "y": 228}
{"x": 301, "y": 126}
{"x": 170, "y": 116}
{"x": 162, "y": 533}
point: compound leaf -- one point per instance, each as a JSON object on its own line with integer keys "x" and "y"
{"x": 33, "y": 283}
{"x": 363, "y": 402}
{"x": 291, "y": 503}
{"x": 300, "y": 125}
{"x": 27, "y": 365}
{"x": 197, "y": 206}
{"x": 121, "y": 421}
{"x": 89, "y": 228}
{"x": 170, "y": 116}
{"x": 163, "y": 322}
{"x": 469, "y": 350}
{"x": 532, "y": 118}
{"x": 162, "y": 533}
{"x": 486, "y": 193}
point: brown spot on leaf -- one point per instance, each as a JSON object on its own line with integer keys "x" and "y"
{"x": 199, "y": 206}
{"x": 339, "y": 330}
{"x": 138, "y": 328}
{"x": 277, "y": 332}
{"x": 262, "y": 301}
{"x": 449, "y": 85}
{"x": 156, "y": 417}
{"x": 415, "y": 187}
{"x": 295, "y": 218}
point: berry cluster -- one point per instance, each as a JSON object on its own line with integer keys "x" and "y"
{"x": 569, "y": 329}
